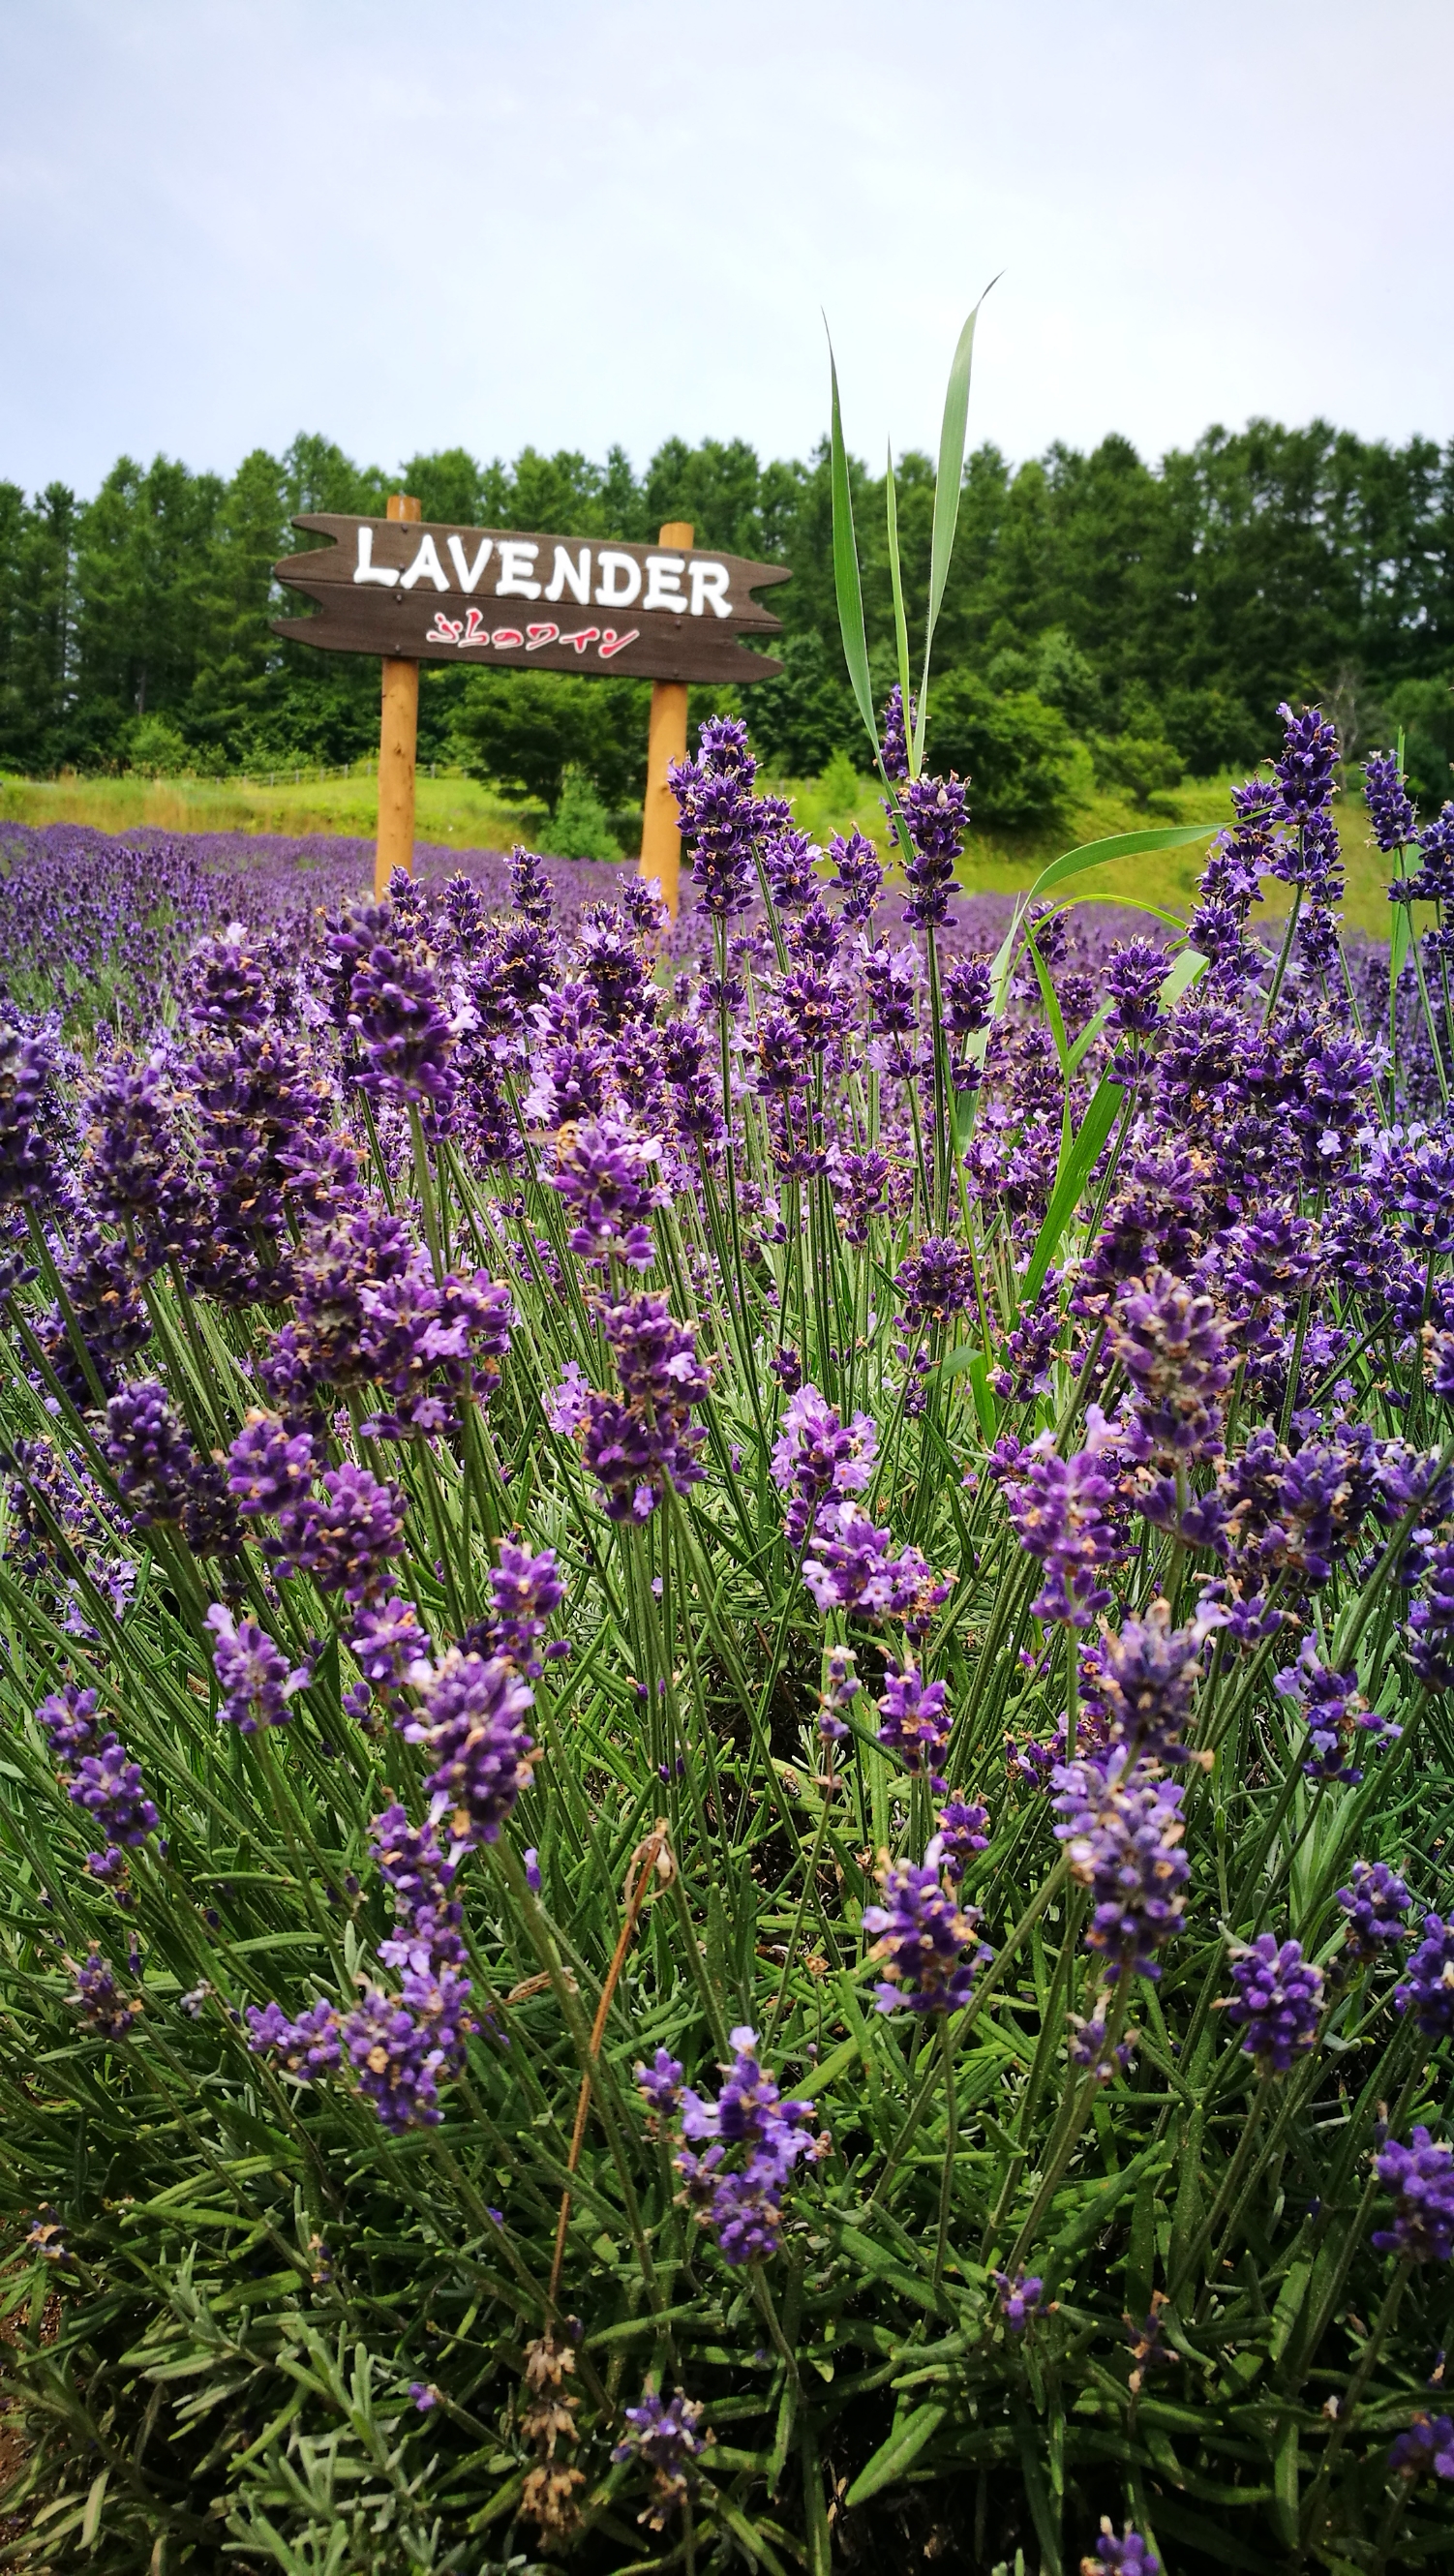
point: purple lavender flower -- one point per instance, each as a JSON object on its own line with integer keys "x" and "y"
{"x": 913, "y": 1721}
{"x": 97, "y": 1998}
{"x": 788, "y": 860}
{"x": 400, "y": 2050}
{"x": 149, "y": 1453}
{"x": 841, "y": 1687}
{"x": 305, "y": 2048}
{"x": 603, "y": 1173}
{"x": 30, "y": 1169}
{"x": 928, "y": 1945}
{"x": 857, "y": 875}
{"x": 569, "y": 1405}
{"x": 346, "y": 1540}
{"x": 110, "y": 1790}
{"x": 1427, "y": 2448}
{"x": 861, "y": 1187}
{"x": 69, "y": 1719}
{"x": 1135, "y": 973}
{"x": 472, "y": 1726}
{"x": 1058, "y": 1508}
{"x": 717, "y": 814}
{"x": 815, "y": 1458}
{"x": 524, "y": 1589}
{"x": 1128, "y": 2556}
{"x": 269, "y": 1468}
{"x": 637, "y": 1446}
{"x": 1390, "y": 808}
{"x": 665, "y": 2438}
{"x": 1431, "y": 1622}
{"x": 1428, "y": 1988}
{"x": 1336, "y": 1714}
{"x": 1375, "y": 1904}
{"x": 749, "y": 2118}
{"x": 661, "y": 2082}
{"x": 893, "y": 750}
{"x": 1279, "y": 1997}
{"x": 936, "y": 817}
{"x": 936, "y": 1282}
{"x": 252, "y": 1675}
{"x": 890, "y": 983}
{"x": 390, "y": 1648}
{"x": 1169, "y": 1341}
{"x": 420, "y": 1877}
{"x": 405, "y": 1035}
{"x": 1421, "y": 2178}
{"x": 1020, "y": 2295}
{"x": 963, "y": 1830}
{"x": 850, "y": 1569}
{"x": 1091, "y": 2050}
{"x": 1122, "y": 1830}
{"x": 1146, "y": 1677}
{"x": 423, "y": 2395}
{"x": 967, "y": 988}
{"x": 1304, "y": 767}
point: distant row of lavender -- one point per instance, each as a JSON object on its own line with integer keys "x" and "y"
{"x": 98, "y": 925}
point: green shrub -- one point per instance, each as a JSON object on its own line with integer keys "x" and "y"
{"x": 1014, "y": 750}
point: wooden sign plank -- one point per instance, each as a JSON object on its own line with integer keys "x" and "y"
{"x": 435, "y": 592}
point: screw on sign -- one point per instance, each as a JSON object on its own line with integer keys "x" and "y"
{"x": 414, "y": 591}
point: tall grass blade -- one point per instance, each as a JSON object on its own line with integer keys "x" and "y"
{"x": 847, "y": 582}
{"x": 946, "y": 500}
{"x": 901, "y": 623}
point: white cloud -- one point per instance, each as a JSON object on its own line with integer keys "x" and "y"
{"x": 578, "y": 222}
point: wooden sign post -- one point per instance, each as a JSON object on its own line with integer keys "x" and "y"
{"x": 398, "y": 743}
{"x": 666, "y": 741}
{"x": 414, "y": 590}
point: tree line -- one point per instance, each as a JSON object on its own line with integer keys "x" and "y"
{"x": 1157, "y": 612}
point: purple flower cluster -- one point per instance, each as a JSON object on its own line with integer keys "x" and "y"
{"x": 666, "y": 2439}
{"x": 1058, "y": 1507}
{"x": 602, "y": 1172}
{"x": 96, "y": 1996}
{"x": 1421, "y": 2178}
{"x": 1375, "y": 1903}
{"x": 1019, "y": 2296}
{"x": 1122, "y": 1829}
{"x": 253, "y": 1677}
{"x": 1337, "y": 1715}
{"x": 472, "y": 1727}
{"x": 103, "y": 1783}
{"x": 914, "y": 1722}
{"x": 1426, "y": 2449}
{"x": 1174, "y": 1352}
{"x": 1277, "y": 2003}
{"x": 754, "y": 2141}
{"x": 817, "y": 1462}
{"x": 936, "y": 818}
{"x": 719, "y": 815}
{"x": 1128, "y": 2556}
{"x": 927, "y": 1945}
{"x": 345, "y": 1539}
{"x": 644, "y": 1441}
{"x": 1428, "y": 1988}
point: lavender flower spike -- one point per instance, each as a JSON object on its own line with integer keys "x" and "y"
{"x": 928, "y": 1945}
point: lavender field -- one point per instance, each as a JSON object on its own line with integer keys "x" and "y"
{"x": 727, "y": 1736}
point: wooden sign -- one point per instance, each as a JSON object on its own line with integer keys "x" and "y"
{"x": 427, "y": 591}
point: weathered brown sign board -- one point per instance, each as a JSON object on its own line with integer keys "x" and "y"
{"x": 428, "y": 591}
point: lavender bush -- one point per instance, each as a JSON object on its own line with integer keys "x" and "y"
{"x": 727, "y": 1742}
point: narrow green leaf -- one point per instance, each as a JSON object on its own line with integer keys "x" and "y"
{"x": 846, "y": 581}
{"x": 1075, "y": 1169}
{"x": 947, "y": 483}
{"x": 1120, "y": 845}
{"x": 91, "y": 2520}
{"x": 895, "y": 2455}
{"x": 1184, "y": 973}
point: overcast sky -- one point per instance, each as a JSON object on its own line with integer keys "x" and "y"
{"x": 481, "y": 223}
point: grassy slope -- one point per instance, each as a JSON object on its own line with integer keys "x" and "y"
{"x": 463, "y": 815}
